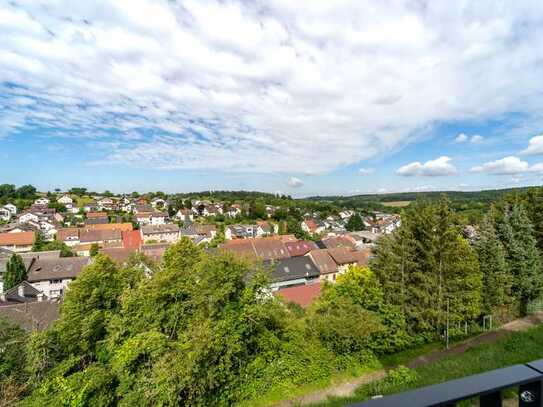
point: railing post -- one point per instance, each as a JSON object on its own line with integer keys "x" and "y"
{"x": 491, "y": 400}
{"x": 529, "y": 394}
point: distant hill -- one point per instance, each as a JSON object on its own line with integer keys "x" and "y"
{"x": 489, "y": 195}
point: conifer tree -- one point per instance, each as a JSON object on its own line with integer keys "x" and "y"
{"x": 517, "y": 234}
{"x": 15, "y": 272}
{"x": 497, "y": 278}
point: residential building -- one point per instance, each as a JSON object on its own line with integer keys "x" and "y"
{"x": 17, "y": 242}
{"x": 96, "y": 218}
{"x": 32, "y": 316}
{"x": 345, "y": 257}
{"x": 132, "y": 239}
{"x": 294, "y": 271}
{"x": 303, "y": 295}
{"x": 5, "y": 214}
{"x": 22, "y": 293}
{"x": 266, "y": 248}
{"x": 65, "y": 200}
{"x": 300, "y": 247}
{"x": 106, "y": 204}
{"x": 69, "y": 236}
{"x": 328, "y": 268}
{"x": 150, "y": 218}
{"x": 52, "y": 276}
{"x": 12, "y": 208}
{"x": 28, "y": 259}
{"x": 184, "y": 215}
{"x": 159, "y": 203}
{"x": 312, "y": 226}
{"x": 42, "y": 201}
{"x": 160, "y": 233}
{"x": 90, "y": 236}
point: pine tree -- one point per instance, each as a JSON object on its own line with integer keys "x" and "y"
{"x": 355, "y": 223}
{"x": 15, "y": 272}
{"x": 517, "y": 235}
{"x": 497, "y": 278}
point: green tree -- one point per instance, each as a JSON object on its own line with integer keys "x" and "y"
{"x": 15, "y": 272}
{"x": 517, "y": 235}
{"x": 94, "y": 249}
{"x": 355, "y": 223}
{"x": 497, "y": 278}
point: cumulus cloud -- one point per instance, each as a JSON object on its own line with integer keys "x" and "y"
{"x": 461, "y": 138}
{"x": 439, "y": 167}
{"x": 535, "y": 146}
{"x": 464, "y": 138}
{"x": 305, "y": 86}
{"x": 366, "y": 171}
{"x": 294, "y": 182}
{"x": 507, "y": 166}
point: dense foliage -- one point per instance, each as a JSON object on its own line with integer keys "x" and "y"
{"x": 15, "y": 272}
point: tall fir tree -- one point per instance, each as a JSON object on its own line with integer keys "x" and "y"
{"x": 15, "y": 272}
{"x": 497, "y": 278}
{"x": 517, "y": 235}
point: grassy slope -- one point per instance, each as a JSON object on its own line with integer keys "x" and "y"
{"x": 517, "y": 348}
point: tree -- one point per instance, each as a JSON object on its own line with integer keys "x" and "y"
{"x": 65, "y": 251}
{"x": 497, "y": 278}
{"x": 26, "y": 192}
{"x": 79, "y": 191}
{"x": 355, "y": 223}
{"x": 517, "y": 235}
{"x": 94, "y": 249}
{"x": 15, "y": 272}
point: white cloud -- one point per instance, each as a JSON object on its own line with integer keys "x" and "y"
{"x": 535, "y": 146}
{"x": 461, "y": 138}
{"x": 366, "y": 171}
{"x": 305, "y": 86}
{"x": 441, "y": 166}
{"x": 506, "y": 166}
{"x": 294, "y": 182}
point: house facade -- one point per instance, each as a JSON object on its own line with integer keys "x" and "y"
{"x": 160, "y": 233}
{"x": 52, "y": 276}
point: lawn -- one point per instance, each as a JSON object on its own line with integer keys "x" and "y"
{"x": 516, "y": 348}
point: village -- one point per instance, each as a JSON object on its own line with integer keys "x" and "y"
{"x": 56, "y": 245}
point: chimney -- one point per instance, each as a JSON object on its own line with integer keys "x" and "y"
{"x": 21, "y": 290}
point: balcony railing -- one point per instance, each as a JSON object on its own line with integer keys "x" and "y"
{"x": 487, "y": 387}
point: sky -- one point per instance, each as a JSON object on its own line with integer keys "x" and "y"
{"x": 295, "y": 97}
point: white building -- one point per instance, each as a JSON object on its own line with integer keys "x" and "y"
{"x": 52, "y": 276}
{"x": 65, "y": 200}
{"x": 12, "y": 208}
{"x": 42, "y": 202}
{"x": 160, "y": 233}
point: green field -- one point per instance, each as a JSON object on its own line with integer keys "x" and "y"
{"x": 516, "y": 348}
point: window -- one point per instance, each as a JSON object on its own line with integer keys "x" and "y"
{"x": 286, "y": 269}
{"x": 56, "y": 281}
{"x": 307, "y": 266}
{"x": 55, "y": 293}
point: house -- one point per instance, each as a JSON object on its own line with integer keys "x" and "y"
{"x": 312, "y": 227}
{"x": 131, "y": 239}
{"x": 233, "y": 211}
{"x": 111, "y": 226}
{"x": 21, "y": 293}
{"x": 265, "y": 228}
{"x": 160, "y": 233}
{"x": 32, "y": 316}
{"x": 120, "y": 255}
{"x": 303, "y": 295}
{"x": 12, "y": 208}
{"x": 199, "y": 234}
{"x": 339, "y": 241}
{"x": 143, "y": 209}
{"x": 150, "y": 218}
{"x": 270, "y": 210}
{"x": 28, "y": 259}
{"x": 346, "y": 214}
{"x": 328, "y": 268}
{"x": 28, "y": 217}
{"x": 345, "y": 257}
{"x": 52, "y": 276}
{"x": 155, "y": 250}
{"x": 240, "y": 232}
{"x": 300, "y": 247}
{"x": 294, "y": 271}
{"x": 65, "y": 200}
{"x": 5, "y": 214}
{"x": 266, "y": 248}
{"x": 17, "y": 242}
{"x": 184, "y": 215}
{"x": 159, "y": 203}
{"x": 90, "y": 207}
{"x": 95, "y": 218}
{"x": 69, "y": 236}
{"x": 42, "y": 202}
{"x": 106, "y": 204}
{"x": 100, "y": 236}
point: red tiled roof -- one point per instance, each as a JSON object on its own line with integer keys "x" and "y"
{"x": 302, "y": 295}
{"x": 92, "y": 215}
{"x": 17, "y": 239}
{"x": 132, "y": 239}
{"x": 300, "y": 248}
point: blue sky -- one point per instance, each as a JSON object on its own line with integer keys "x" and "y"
{"x": 302, "y": 97}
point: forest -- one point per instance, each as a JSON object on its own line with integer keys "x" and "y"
{"x": 201, "y": 329}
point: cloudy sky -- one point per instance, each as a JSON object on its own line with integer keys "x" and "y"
{"x": 303, "y": 97}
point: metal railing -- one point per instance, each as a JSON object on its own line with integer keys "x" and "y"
{"x": 487, "y": 387}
